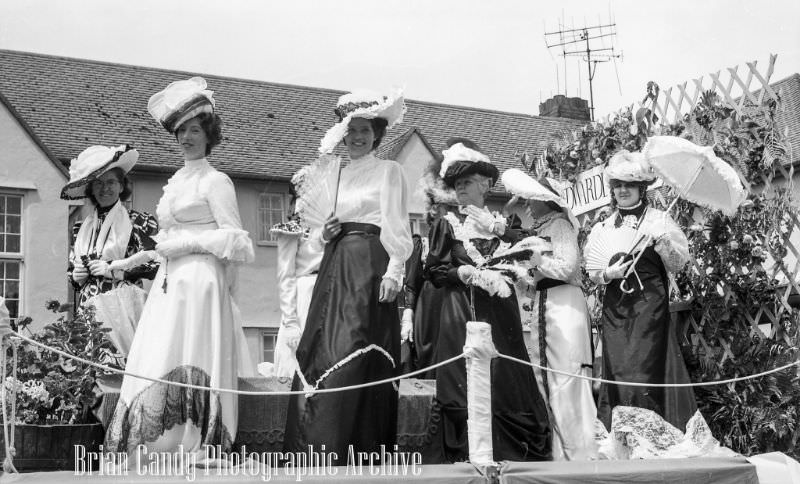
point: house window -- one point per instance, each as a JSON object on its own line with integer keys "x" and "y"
{"x": 11, "y": 251}
{"x": 269, "y": 338}
{"x": 272, "y": 209}
{"x": 418, "y": 224}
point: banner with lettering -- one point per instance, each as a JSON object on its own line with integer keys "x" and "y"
{"x": 589, "y": 192}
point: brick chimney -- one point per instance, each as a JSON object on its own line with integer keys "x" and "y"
{"x": 560, "y": 106}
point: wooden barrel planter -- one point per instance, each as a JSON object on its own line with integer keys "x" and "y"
{"x": 52, "y": 447}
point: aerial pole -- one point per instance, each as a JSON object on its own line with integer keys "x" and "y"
{"x": 591, "y": 55}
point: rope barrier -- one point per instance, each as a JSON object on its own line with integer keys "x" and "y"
{"x": 228, "y": 390}
{"x": 657, "y": 385}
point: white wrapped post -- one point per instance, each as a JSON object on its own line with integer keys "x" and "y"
{"x": 479, "y": 350}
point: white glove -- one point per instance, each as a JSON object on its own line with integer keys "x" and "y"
{"x": 177, "y": 247}
{"x": 99, "y": 268}
{"x": 80, "y": 274}
{"x": 407, "y": 326}
{"x": 292, "y": 335}
{"x": 484, "y": 220}
{"x": 465, "y": 273}
{"x": 617, "y": 270}
{"x": 536, "y": 258}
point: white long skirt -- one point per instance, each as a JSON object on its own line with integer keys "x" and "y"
{"x": 190, "y": 333}
{"x": 560, "y": 339}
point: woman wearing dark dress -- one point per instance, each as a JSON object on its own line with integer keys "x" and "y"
{"x": 639, "y": 343}
{"x": 352, "y": 333}
{"x": 459, "y": 241}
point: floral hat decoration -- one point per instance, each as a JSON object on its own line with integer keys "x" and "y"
{"x": 519, "y": 183}
{"x": 92, "y": 163}
{"x": 363, "y": 104}
{"x": 180, "y": 102}
{"x": 628, "y": 167}
{"x": 461, "y": 160}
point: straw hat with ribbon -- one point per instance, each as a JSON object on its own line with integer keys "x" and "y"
{"x": 363, "y": 104}
{"x": 180, "y": 102}
{"x": 92, "y": 163}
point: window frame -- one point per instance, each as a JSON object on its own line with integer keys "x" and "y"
{"x": 15, "y": 257}
{"x": 264, "y": 227}
{"x": 268, "y": 332}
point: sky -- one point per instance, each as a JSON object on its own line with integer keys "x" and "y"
{"x": 490, "y": 54}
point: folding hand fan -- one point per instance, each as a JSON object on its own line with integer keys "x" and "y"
{"x": 610, "y": 243}
{"x": 316, "y": 186}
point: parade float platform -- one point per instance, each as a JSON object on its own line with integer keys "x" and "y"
{"x": 262, "y": 419}
{"x": 684, "y": 471}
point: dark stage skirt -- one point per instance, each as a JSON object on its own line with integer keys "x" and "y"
{"x": 640, "y": 345}
{"x": 426, "y": 326}
{"x": 346, "y": 319}
{"x": 520, "y": 429}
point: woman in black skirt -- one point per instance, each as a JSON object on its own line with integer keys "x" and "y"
{"x": 459, "y": 241}
{"x": 352, "y": 334}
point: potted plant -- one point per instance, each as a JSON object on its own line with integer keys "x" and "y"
{"x": 52, "y": 396}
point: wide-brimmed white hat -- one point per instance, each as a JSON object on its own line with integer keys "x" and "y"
{"x": 629, "y": 167}
{"x": 180, "y": 102}
{"x": 92, "y": 163}
{"x": 363, "y": 104}
{"x": 519, "y": 183}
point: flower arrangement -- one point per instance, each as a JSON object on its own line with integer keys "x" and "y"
{"x": 50, "y": 388}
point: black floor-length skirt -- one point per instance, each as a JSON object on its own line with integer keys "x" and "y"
{"x": 639, "y": 345}
{"x": 520, "y": 428}
{"x": 426, "y": 326}
{"x": 350, "y": 338}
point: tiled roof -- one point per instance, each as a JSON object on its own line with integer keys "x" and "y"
{"x": 789, "y": 116}
{"x": 269, "y": 129}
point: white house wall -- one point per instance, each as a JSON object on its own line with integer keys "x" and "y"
{"x": 25, "y": 169}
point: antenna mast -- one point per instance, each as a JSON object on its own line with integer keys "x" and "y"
{"x": 580, "y": 40}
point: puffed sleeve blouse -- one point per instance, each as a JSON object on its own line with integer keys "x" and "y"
{"x": 199, "y": 206}
{"x": 373, "y": 191}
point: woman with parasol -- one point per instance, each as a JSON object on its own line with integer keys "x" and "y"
{"x": 561, "y": 329}
{"x": 352, "y": 333}
{"x": 638, "y": 344}
{"x": 461, "y": 243}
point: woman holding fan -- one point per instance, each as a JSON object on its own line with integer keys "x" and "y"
{"x": 459, "y": 242}
{"x": 352, "y": 334}
{"x": 638, "y": 343}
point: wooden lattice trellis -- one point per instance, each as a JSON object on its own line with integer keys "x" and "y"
{"x": 742, "y": 95}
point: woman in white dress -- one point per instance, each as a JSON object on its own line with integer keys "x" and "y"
{"x": 189, "y": 331}
{"x": 560, "y": 330}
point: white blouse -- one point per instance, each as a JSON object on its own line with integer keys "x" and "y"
{"x": 199, "y": 206}
{"x": 373, "y": 191}
{"x": 564, "y": 264}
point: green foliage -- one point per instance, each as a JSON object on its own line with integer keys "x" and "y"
{"x": 733, "y": 283}
{"x": 51, "y": 388}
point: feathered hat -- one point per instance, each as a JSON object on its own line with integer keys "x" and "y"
{"x": 363, "y": 104}
{"x": 628, "y": 167}
{"x": 92, "y": 163}
{"x": 180, "y": 102}
{"x": 463, "y": 158}
{"x": 519, "y": 183}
